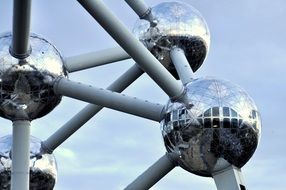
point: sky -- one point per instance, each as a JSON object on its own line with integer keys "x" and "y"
{"x": 113, "y": 148}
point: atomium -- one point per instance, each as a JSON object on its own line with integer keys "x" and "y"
{"x": 209, "y": 126}
{"x": 178, "y": 25}
{"x": 26, "y": 84}
{"x": 221, "y": 128}
{"x": 43, "y": 167}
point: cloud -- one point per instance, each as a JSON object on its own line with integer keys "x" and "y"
{"x": 65, "y": 153}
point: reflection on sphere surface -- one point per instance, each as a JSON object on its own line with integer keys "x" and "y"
{"x": 26, "y": 90}
{"x": 222, "y": 127}
{"x": 178, "y": 25}
{"x": 43, "y": 166}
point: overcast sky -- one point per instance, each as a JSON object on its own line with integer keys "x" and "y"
{"x": 247, "y": 47}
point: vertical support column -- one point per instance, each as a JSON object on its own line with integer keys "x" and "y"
{"x": 230, "y": 178}
{"x": 20, "y": 155}
{"x": 20, "y": 47}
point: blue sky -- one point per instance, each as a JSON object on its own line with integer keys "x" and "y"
{"x": 111, "y": 150}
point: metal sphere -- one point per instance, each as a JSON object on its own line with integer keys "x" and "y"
{"x": 26, "y": 84}
{"x": 221, "y": 127}
{"x": 178, "y": 25}
{"x": 43, "y": 167}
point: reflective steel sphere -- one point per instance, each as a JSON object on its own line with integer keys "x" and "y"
{"x": 220, "y": 127}
{"x": 25, "y": 85}
{"x": 43, "y": 167}
{"x": 178, "y": 25}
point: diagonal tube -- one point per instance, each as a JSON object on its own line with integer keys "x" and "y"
{"x": 94, "y": 59}
{"x": 182, "y": 65}
{"x": 20, "y": 47}
{"x": 154, "y": 173}
{"x": 139, "y": 7}
{"x": 89, "y": 111}
{"x": 109, "y": 99}
{"x": 142, "y": 10}
{"x": 134, "y": 48}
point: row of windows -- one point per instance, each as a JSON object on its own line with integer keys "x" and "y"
{"x": 211, "y": 123}
{"x": 226, "y": 112}
{"x": 217, "y": 111}
{"x": 182, "y": 114}
{"x": 214, "y": 122}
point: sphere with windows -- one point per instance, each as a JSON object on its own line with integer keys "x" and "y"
{"x": 220, "y": 127}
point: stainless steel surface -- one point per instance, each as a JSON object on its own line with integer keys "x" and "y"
{"x": 221, "y": 127}
{"x": 133, "y": 47}
{"x": 26, "y": 92}
{"x": 43, "y": 167}
{"x": 179, "y": 25}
